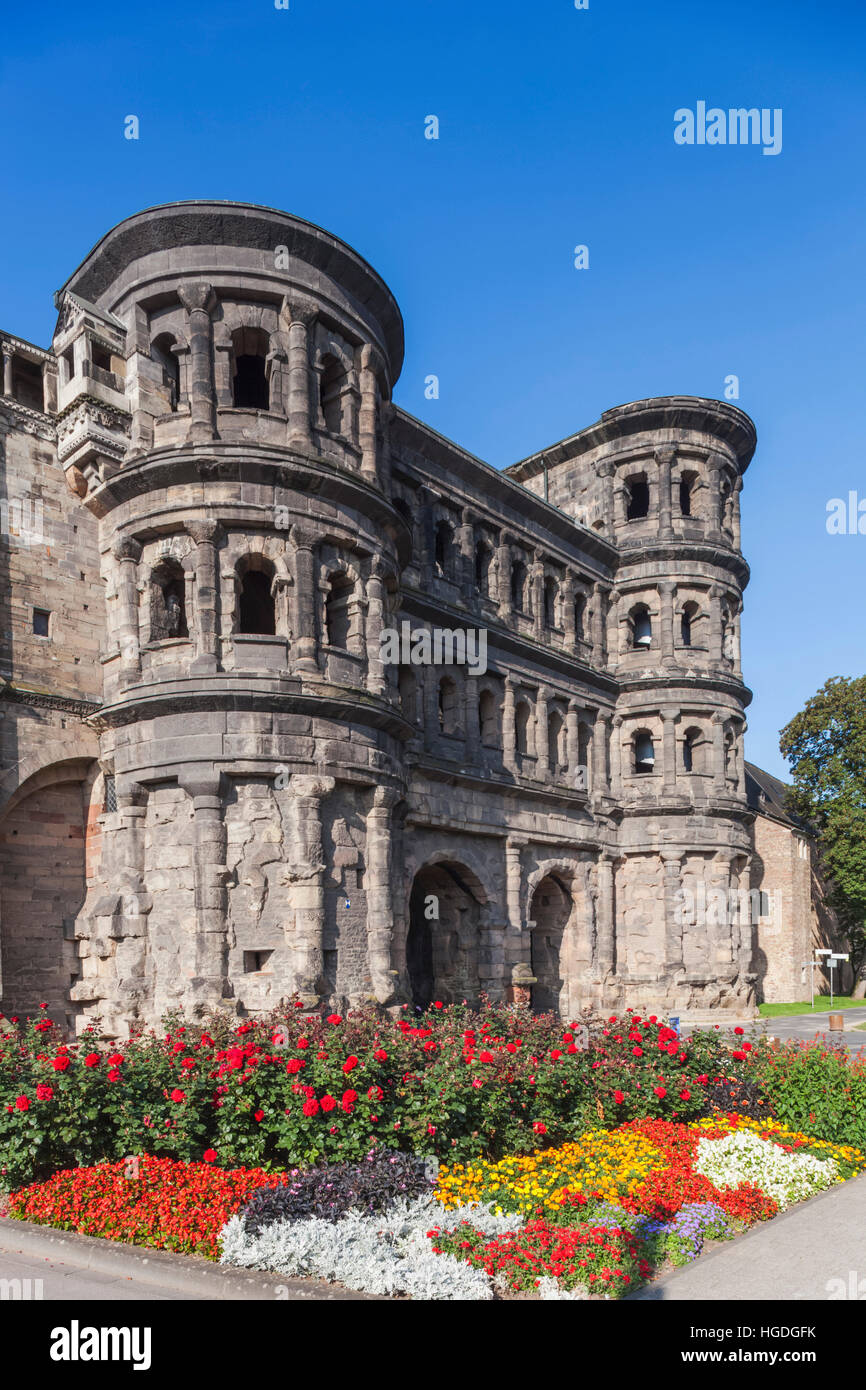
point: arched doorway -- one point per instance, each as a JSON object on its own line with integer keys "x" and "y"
{"x": 443, "y": 945}
{"x": 549, "y": 912}
{"x": 42, "y": 889}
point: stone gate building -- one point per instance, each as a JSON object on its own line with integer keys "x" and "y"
{"x": 214, "y": 788}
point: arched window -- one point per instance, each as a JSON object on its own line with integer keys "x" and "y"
{"x": 579, "y": 617}
{"x": 256, "y": 609}
{"x": 449, "y": 715}
{"x": 167, "y": 602}
{"x": 522, "y": 727}
{"x": 637, "y": 498}
{"x": 488, "y": 719}
{"x": 332, "y": 384}
{"x": 163, "y": 352}
{"x": 690, "y": 613}
{"x": 687, "y": 487}
{"x": 442, "y": 548}
{"x": 341, "y": 589}
{"x": 408, "y": 689}
{"x": 519, "y": 577}
{"x": 644, "y": 752}
{"x": 641, "y": 627}
{"x": 692, "y": 750}
{"x": 551, "y": 602}
{"x": 483, "y": 558}
{"x": 556, "y": 742}
{"x": 250, "y": 389}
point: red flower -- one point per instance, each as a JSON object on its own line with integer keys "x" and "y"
{"x": 114, "y": 1074}
{"x": 22, "y": 1103}
{"x": 60, "y": 1063}
{"x": 739, "y": 1032}
{"x": 311, "y": 1107}
{"x": 437, "y": 1005}
{"x": 329, "y": 1103}
{"x": 92, "y": 1059}
{"x": 618, "y": 1097}
{"x": 259, "y": 1116}
{"x": 380, "y": 1055}
{"x": 177, "y": 1096}
{"x": 350, "y": 1064}
{"x": 294, "y": 1066}
{"x": 539, "y": 1127}
{"x": 637, "y": 1052}
{"x": 739, "y": 1056}
{"x": 685, "y": 1095}
{"x": 209, "y": 1156}
{"x": 660, "y": 1092}
{"x": 334, "y": 1018}
{"x": 303, "y": 1042}
{"x": 485, "y": 1057}
{"x": 44, "y": 1092}
{"x": 116, "y": 1059}
{"x": 349, "y": 1098}
{"x": 43, "y": 1006}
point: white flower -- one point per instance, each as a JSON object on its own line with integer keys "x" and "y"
{"x": 744, "y": 1157}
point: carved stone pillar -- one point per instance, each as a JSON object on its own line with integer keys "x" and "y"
{"x": 466, "y": 549}
{"x": 667, "y": 594}
{"x": 669, "y": 751}
{"x": 299, "y": 377}
{"x": 211, "y": 877}
{"x": 572, "y": 743}
{"x": 605, "y": 947}
{"x": 7, "y": 369}
{"x": 509, "y": 730}
{"x": 715, "y": 639}
{"x": 515, "y": 948}
{"x": 672, "y": 865}
{"x": 537, "y": 590}
{"x": 367, "y": 416}
{"x": 307, "y": 875}
{"x": 718, "y": 754}
{"x": 377, "y": 682}
{"x": 542, "y": 749}
{"x": 305, "y": 645}
{"x": 599, "y": 625}
{"x": 605, "y": 472}
{"x": 715, "y": 466}
{"x": 600, "y": 745}
{"x": 127, "y": 553}
{"x": 377, "y": 888}
{"x": 503, "y": 578}
{"x": 741, "y": 758}
{"x": 744, "y": 942}
{"x": 616, "y": 756}
{"x": 665, "y": 457}
{"x": 206, "y": 535}
{"x": 567, "y": 601}
{"x": 735, "y": 512}
{"x": 199, "y": 301}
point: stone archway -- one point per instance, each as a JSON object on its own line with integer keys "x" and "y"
{"x": 443, "y": 946}
{"x": 550, "y": 910}
{"x": 42, "y": 888}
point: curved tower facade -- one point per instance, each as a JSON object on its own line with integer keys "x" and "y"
{"x": 378, "y": 722}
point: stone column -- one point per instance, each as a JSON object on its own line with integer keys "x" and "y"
{"x": 211, "y": 984}
{"x": 49, "y": 393}
{"x": 745, "y": 936}
{"x": 669, "y": 751}
{"x": 718, "y": 754}
{"x": 503, "y": 578}
{"x": 515, "y": 948}
{"x": 377, "y": 682}
{"x": 616, "y": 756}
{"x": 715, "y": 638}
{"x": 721, "y": 935}
{"x": 741, "y": 758}
{"x": 605, "y": 947}
{"x": 307, "y": 874}
{"x": 672, "y": 865}
{"x": 377, "y": 888}
{"x": 715, "y": 465}
{"x": 509, "y": 730}
{"x": 735, "y": 513}
{"x": 206, "y": 535}
{"x": 537, "y": 590}
{"x": 7, "y": 368}
{"x": 599, "y": 645}
{"x": 605, "y": 472}
{"x": 572, "y": 745}
{"x": 665, "y": 457}
{"x": 367, "y": 416}
{"x": 472, "y": 722}
{"x": 542, "y": 752}
{"x": 199, "y": 301}
{"x": 566, "y": 599}
{"x": 600, "y": 744}
{"x": 667, "y": 594}
{"x": 127, "y": 553}
{"x": 299, "y": 378}
{"x": 466, "y": 548}
{"x": 306, "y": 644}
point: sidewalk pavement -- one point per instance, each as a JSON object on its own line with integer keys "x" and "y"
{"x": 804, "y": 1027}
{"x": 76, "y": 1267}
{"x": 814, "y": 1251}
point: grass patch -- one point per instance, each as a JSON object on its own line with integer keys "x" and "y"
{"x": 822, "y": 1006}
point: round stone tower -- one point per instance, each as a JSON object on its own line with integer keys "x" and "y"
{"x": 225, "y": 378}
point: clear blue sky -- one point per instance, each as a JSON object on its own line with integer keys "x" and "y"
{"x": 556, "y": 129}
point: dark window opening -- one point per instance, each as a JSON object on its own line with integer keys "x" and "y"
{"x": 255, "y": 961}
{"x": 251, "y": 384}
{"x": 518, "y": 586}
{"x": 483, "y": 556}
{"x": 41, "y": 620}
{"x": 27, "y": 386}
{"x": 521, "y": 727}
{"x": 331, "y": 388}
{"x": 642, "y": 629}
{"x": 579, "y": 617}
{"x": 442, "y": 547}
{"x": 100, "y": 357}
{"x": 638, "y": 500}
{"x": 488, "y": 719}
{"x": 556, "y": 743}
{"x": 168, "y": 604}
{"x": 686, "y": 484}
{"x": 109, "y": 798}
{"x": 257, "y": 616}
{"x": 337, "y": 614}
{"x": 408, "y": 688}
{"x": 551, "y": 602}
{"x": 644, "y": 753}
{"x": 448, "y": 707}
{"x": 162, "y": 352}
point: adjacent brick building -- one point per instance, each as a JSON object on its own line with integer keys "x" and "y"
{"x": 219, "y": 788}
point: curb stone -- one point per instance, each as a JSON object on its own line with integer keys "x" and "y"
{"x": 187, "y": 1273}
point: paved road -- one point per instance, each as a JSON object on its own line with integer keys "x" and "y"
{"x": 814, "y": 1251}
{"x": 807, "y": 1026}
{"x": 52, "y": 1280}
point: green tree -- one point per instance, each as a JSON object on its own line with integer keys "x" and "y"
{"x": 826, "y": 746}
